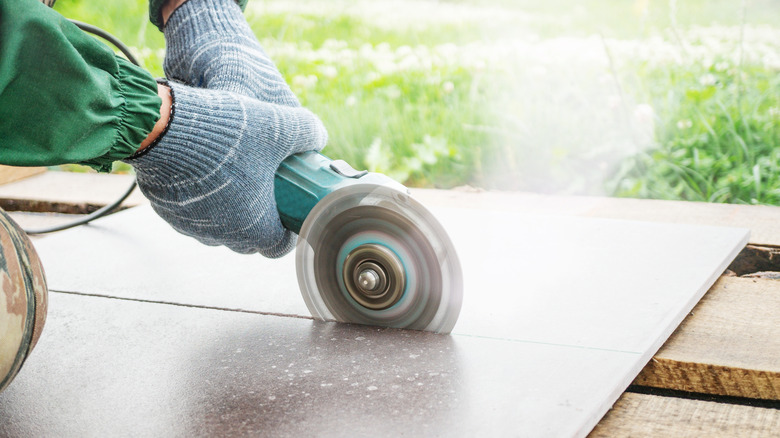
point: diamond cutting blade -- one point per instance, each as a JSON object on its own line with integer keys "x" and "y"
{"x": 370, "y": 254}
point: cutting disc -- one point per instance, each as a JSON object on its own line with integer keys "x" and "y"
{"x": 370, "y": 254}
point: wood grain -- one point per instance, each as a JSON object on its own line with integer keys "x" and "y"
{"x": 59, "y": 189}
{"x": 728, "y": 345}
{"x": 640, "y": 415}
{"x": 13, "y": 173}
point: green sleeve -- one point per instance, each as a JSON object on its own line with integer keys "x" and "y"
{"x": 64, "y": 96}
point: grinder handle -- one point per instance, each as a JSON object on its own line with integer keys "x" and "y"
{"x": 302, "y": 180}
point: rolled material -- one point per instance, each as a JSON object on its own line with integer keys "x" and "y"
{"x": 23, "y": 299}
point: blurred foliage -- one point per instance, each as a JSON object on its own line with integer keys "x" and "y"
{"x": 673, "y": 99}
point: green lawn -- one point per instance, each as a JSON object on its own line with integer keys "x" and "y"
{"x": 673, "y": 100}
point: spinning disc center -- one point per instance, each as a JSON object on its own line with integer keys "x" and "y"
{"x": 368, "y": 280}
{"x": 374, "y": 276}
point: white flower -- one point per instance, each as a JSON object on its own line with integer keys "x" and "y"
{"x": 304, "y": 81}
{"x": 684, "y": 124}
{"x": 334, "y": 44}
{"x": 351, "y": 100}
{"x": 372, "y": 76}
{"x": 383, "y": 47}
{"x": 393, "y": 92}
{"x": 366, "y": 50}
{"x": 448, "y": 87}
{"x": 403, "y": 51}
{"x": 708, "y": 80}
{"x": 409, "y": 62}
{"x": 386, "y": 67}
{"x": 329, "y": 71}
{"x": 722, "y": 66}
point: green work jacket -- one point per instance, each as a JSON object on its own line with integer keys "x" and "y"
{"x": 65, "y": 97}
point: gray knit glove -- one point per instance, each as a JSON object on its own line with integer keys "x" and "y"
{"x": 211, "y": 174}
{"x": 210, "y": 45}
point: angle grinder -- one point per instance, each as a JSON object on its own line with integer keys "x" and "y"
{"x": 367, "y": 252}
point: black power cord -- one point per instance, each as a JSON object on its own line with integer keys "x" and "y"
{"x": 114, "y": 205}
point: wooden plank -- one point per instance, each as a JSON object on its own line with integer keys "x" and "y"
{"x": 13, "y": 173}
{"x": 66, "y": 192}
{"x": 755, "y": 259}
{"x": 728, "y": 345}
{"x": 640, "y": 415}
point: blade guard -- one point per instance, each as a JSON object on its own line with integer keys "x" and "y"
{"x": 339, "y": 212}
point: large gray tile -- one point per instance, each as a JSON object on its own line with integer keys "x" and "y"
{"x": 136, "y": 254}
{"x": 559, "y": 315}
{"x": 601, "y": 283}
{"x": 107, "y": 367}
{"x": 598, "y": 283}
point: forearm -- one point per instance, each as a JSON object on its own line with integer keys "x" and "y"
{"x": 64, "y": 96}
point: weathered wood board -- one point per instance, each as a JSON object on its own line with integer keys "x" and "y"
{"x": 13, "y": 173}
{"x": 639, "y": 416}
{"x": 730, "y": 347}
{"x": 65, "y": 192}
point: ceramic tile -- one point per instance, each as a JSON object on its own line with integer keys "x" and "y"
{"x": 108, "y": 367}
{"x": 560, "y": 314}
{"x": 135, "y": 254}
{"x": 599, "y": 283}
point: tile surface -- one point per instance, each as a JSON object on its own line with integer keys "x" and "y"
{"x": 559, "y": 315}
{"x": 564, "y": 280}
{"x": 595, "y": 283}
{"x": 108, "y": 367}
{"x": 136, "y": 254}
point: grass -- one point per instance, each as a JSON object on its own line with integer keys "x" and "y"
{"x": 672, "y": 100}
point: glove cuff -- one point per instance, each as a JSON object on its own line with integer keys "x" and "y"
{"x": 200, "y": 139}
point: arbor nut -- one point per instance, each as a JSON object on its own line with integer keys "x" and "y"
{"x": 368, "y": 280}
{"x": 373, "y": 276}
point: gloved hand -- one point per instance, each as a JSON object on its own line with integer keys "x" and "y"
{"x": 211, "y": 174}
{"x": 210, "y": 45}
